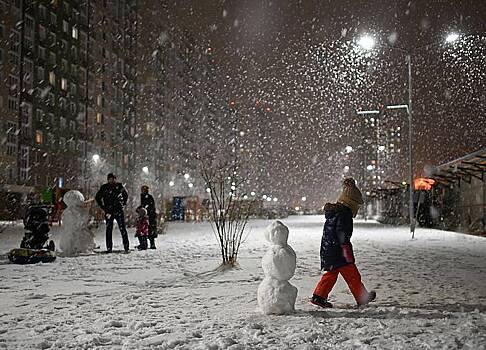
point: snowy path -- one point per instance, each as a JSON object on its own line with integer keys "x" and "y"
{"x": 431, "y": 294}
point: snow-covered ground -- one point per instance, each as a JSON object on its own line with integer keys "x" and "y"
{"x": 431, "y": 294}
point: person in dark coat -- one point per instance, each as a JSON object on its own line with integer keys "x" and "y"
{"x": 337, "y": 255}
{"x": 147, "y": 202}
{"x": 112, "y": 198}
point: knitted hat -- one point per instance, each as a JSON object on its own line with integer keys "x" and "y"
{"x": 141, "y": 211}
{"x": 351, "y": 195}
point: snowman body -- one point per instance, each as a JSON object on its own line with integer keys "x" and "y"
{"x": 275, "y": 294}
{"x": 76, "y": 235}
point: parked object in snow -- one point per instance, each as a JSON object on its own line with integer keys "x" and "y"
{"x": 31, "y": 256}
{"x": 37, "y": 229}
{"x": 275, "y": 294}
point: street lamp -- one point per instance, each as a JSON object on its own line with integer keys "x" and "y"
{"x": 145, "y": 169}
{"x": 452, "y": 37}
{"x": 367, "y": 43}
{"x": 96, "y": 158}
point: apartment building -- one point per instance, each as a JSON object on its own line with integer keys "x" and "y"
{"x": 69, "y": 69}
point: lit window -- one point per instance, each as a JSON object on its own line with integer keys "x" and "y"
{"x": 64, "y": 84}
{"x": 65, "y": 26}
{"x": 99, "y": 118}
{"x": 38, "y": 137}
{"x": 52, "y": 78}
{"x": 75, "y": 32}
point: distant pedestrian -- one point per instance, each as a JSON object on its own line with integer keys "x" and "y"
{"x": 147, "y": 202}
{"x": 337, "y": 251}
{"x": 142, "y": 228}
{"x": 112, "y": 198}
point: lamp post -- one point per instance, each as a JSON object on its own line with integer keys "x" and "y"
{"x": 367, "y": 43}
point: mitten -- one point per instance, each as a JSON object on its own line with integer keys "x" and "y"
{"x": 348, "y": 253}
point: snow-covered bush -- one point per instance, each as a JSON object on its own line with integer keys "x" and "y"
{"x": 228, "y": 211}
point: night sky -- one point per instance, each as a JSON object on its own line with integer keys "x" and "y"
{"x": 299, "y": 57}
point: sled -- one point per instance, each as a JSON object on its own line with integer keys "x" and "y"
{"x": 31, "y": 256}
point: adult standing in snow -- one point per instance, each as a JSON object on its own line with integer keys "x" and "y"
{"x": 147, "y": 202}
{"x": 336, "y": 249}
{"x": 112, "y": 198}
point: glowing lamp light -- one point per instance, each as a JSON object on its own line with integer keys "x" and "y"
{"x": 171, "y": 183}
{"x": 381, "y": 148}
{"x": 269, "y": 199}
{"x": 369, "y": 167}
{"x": 304, "y": 199}
{"x": 190, "y": 184}
{"x": 275, "y": 199}
{"x": 264, "y": 196}
{"x": 208, "y": 190}
{"x": 366, "y": 42}
{"x": 253, "y": 194}
{"x": 451, "y": 37}
{"x": 145, "y": 170}
{"x": 96, "y": 157}
{"x": 423, "y": 184}
{"x": 297, "y": 208}
{"x": 348, "y": 149}
{"x": 346, "y": 168}
{"x": 186, "y": 176}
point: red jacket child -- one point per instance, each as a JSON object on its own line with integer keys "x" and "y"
{"x": 142, "y": 228}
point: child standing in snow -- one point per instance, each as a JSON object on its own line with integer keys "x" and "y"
{"x": 337, "y": 251}
{"x": 142, "y": 228}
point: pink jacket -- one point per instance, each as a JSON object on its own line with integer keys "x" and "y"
{"x": 142, "y": 227}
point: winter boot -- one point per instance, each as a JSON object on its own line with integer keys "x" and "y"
{"x": 369, "y": 298}
{"x": 320, "y": 301}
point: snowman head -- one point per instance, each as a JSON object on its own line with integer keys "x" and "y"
{"x": 73, "y": 198}
{"x": 277, "y": 233}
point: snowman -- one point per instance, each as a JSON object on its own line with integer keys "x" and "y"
{"x": 275, "y": 294}
{"x": 76, "y": 234}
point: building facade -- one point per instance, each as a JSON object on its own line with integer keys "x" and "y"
{"x": 70, "y": 73}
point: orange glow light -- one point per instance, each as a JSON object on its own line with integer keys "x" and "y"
{"x": 423, "y": 184}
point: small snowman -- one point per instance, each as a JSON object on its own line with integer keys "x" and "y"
{"x": 275, "y": 294}
{"x": 76, "y": 234}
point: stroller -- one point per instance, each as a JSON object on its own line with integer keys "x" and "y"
{"x": 33, "y": 248}
{"x": 37, "y": 229}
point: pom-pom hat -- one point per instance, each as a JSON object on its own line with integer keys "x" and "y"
{"x": 351, "y": 195}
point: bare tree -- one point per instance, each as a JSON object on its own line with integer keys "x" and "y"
{"x": 229, "y": 212}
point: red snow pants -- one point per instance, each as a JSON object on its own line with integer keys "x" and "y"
{"x": 352, "y": 277}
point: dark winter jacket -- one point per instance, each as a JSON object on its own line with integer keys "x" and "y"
{"x": 337, "y": 232}
{"x": 112, "y": 198}
{"x": 147, "y": 202}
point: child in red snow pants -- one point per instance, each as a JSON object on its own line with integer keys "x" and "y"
{"x": 352, "y": 277}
